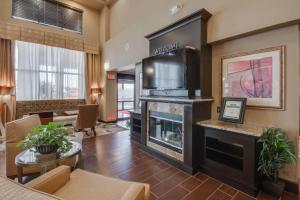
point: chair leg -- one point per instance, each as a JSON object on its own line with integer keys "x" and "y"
{"x": 93, "y": 130}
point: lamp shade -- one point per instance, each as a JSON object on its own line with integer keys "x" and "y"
{"x": 4, "y": 90}
{"x": 96, "y": 90}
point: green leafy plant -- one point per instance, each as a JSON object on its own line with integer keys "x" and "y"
{"x": 276, "y": 151}
{"x": 53, "y": 134}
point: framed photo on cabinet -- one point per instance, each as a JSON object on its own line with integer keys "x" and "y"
{"x": 233, "y": 110}
{"x": 257, "y": 76}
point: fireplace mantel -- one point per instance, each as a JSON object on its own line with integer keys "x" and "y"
{"x": 175, "y": 99}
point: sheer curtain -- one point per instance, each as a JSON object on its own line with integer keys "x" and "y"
{"x": 45, "y": 72}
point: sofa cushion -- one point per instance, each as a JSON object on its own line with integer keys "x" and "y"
{"x": 86, "y": 185}
{"x": 65, "y": 120}
{"x": 71, "y": 112}
{"x": 10, "y": 190}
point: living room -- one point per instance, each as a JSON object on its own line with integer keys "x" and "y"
{"x": 177, "y": 99}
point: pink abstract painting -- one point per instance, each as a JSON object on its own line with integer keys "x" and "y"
{"x": 250, "y": 78}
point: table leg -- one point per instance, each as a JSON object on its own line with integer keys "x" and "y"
{"x": 80, "y": 161}
{"x": 20, "y": 174}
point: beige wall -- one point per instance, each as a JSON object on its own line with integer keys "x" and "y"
{"x": 91, "y": 22}
{"x": 131, "y": 20}
{"x": 288, "y": 119}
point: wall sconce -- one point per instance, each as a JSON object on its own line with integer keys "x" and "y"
{"x": 7, "y": 90}
{"x": 95, "y": 94}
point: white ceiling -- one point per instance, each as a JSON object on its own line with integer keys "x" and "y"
{"x": 96, "y": 4}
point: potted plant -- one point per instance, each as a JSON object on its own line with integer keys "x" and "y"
{"x": 276, "y": 151}
{"x": 47, "y": 139}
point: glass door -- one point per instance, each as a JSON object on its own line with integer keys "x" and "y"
{"x": 125, "y": 98}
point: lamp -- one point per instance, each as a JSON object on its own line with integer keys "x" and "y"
{"x": 7, "y": 90}
{"x": 96, "y": 91}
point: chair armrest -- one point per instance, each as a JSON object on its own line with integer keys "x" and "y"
{"x": 137, "y": 191}
{"x": 52, "y": 180}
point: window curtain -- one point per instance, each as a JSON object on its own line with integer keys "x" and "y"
{"x": 92, "y": 75}
{"x": 45, "y": 72}
{"x": 7, "y": 83}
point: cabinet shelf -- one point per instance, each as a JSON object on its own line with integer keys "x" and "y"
{"x": 225, "y": 147}
{"x": 225, "y": 154}
{"x": 224, "y": 159}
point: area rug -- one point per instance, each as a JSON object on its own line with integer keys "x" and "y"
{"x": 103, "y": 129}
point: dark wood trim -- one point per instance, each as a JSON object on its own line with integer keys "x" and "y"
{"x": 122, "y": 76}
{"x": 257, "y": 31}
{"x": 200, "y": 14}
{"x": 291, "y": 186}
{"x": 144, "y": 114}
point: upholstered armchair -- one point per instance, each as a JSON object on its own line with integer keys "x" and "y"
{"x": 81, "y": 184}
{"x": 16, "y": 131}
{"x": 87, "y": 117}
{"x": 60, "y": 183}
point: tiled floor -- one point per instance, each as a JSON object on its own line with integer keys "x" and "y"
{"x": 116, "y": 155}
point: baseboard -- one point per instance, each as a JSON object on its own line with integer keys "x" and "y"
{"x": 291, "y": 186}
{"x": 103, "y": 121}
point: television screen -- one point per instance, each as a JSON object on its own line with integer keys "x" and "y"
{"x": 164, "y": 71}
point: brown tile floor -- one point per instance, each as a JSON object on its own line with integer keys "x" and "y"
{"x": 116, "y": 155}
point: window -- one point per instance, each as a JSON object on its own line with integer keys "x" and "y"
{"x": 44, "y": 72}
{"x": 48, "y": 12}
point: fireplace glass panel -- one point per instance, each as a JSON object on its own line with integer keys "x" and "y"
{"x": 166, "y": 130}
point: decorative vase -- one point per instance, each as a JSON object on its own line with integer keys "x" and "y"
{"x": 46, "y": 149}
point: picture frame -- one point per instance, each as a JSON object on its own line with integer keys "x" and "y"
{"x": 256, "y": 75}
{"x": 233, "y": 110}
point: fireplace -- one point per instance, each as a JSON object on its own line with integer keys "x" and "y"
{"x": 165, "y": 129}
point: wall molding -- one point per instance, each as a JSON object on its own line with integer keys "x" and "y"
{"x": 257, "y": 31}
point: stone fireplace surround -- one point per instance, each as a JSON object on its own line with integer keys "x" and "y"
{"x": 171, "y": 108}
{"x": 192, "y": 111}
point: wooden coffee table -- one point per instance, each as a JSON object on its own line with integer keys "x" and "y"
{"x": 29, "y": 158}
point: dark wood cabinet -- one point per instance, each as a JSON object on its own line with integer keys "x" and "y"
{"x": 231, "y": 157}
{"x": 136, "y": 126}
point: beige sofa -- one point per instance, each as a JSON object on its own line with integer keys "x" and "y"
{"x": 78, "y": 185}
{"x": 16, "y": 131}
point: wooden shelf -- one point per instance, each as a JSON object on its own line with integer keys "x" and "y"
{"x": 229, "y": 148}
{"x": 232, "y": 157}
{"x": 226, "y": 154}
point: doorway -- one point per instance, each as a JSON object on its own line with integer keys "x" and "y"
{"x": 126, "y": 88}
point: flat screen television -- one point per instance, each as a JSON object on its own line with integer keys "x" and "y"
{"x": 170, "y": 71}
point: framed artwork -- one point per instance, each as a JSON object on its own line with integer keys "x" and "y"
{"x": 233, "y": 110}
{"x": 257, "y": 76}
